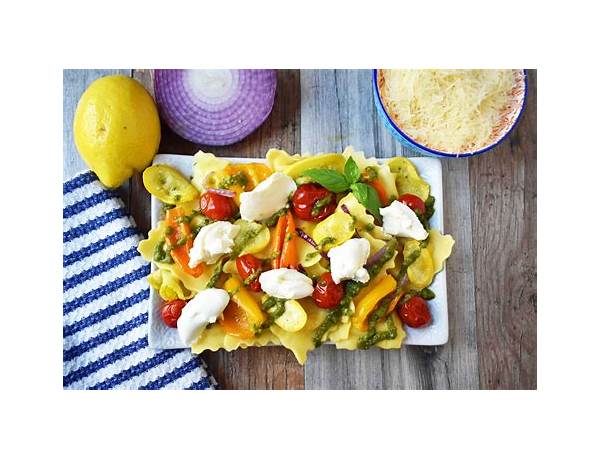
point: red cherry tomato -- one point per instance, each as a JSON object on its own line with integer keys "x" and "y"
{"x": 217, "y": 207}
{"x": 413, "y": 202}
{"x": 327, "y": 294}
{"x": 415, "y": 313}
{"x": 247, "y": 266}
{"x": 306, "y": 197}
{"x": 171, "y": 311}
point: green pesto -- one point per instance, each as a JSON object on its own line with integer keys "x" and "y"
{"x": 273, "y": 219}
{"x": 325, "y": 241}
{"x": 238, "y": 178}
{"x": 370, "y": 174}
{"x": 274, "y": 308}
{"x": 214, "y": 278}
{"x": 320, "y": 204}
{"x": 162, "y": 253}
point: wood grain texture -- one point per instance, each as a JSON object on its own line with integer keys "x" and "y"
{"x": 338, "y": 110}
{"x": 252, "y": 368}
{"x": 504, "y": 213}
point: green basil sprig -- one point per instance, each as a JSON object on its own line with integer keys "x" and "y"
{"x": 338, "y": 183}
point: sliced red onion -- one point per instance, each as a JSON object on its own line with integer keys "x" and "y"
{"x": 214, "y": 107}
{"x": 375, "y": 257}
{"x": 302, "y": 234}
{"x": 222, "y": 191}
{"x": 345, "y": 209}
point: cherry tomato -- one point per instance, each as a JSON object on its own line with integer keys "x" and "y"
{"x": 413, "y": 202}
{"x": 414, "y": 312}
{"x": 247, "y": 266}
{"x": 217, "y": 207}
{"x": 307, "y": 196}
{"x": 327, "y": 294}
{"x": 171, "y": 311}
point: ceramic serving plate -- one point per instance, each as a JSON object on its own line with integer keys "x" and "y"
{"x": 430, "y": 169}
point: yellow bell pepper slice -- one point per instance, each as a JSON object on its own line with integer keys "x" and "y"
{"x": 240, "y": 295}
{"x": 369, "y": 300}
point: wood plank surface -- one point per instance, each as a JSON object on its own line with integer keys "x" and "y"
{"x": 489, "y": 208}
{"x": 504, "y": 215}
{"x": 253, "y": 368}
{"x": 338, "y": 110}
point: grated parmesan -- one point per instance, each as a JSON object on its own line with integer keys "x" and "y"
{"x": 449, "y": 110}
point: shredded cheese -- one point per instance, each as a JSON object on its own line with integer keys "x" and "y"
{"x": 449, "y": 110}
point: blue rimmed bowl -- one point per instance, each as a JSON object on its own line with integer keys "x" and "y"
{"x": 511, "y": 118}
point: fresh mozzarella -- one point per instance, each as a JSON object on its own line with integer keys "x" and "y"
{"x": 286, "y": 283}
{"x": 347, "y": 260}
{"x": 267, "y": 198}
{"x": 400, "y": 220}
{"x": 199, "y": 312}
{"x": 212, "y": 242}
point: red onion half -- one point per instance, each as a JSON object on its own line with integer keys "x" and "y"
{"x": 214, "y": 107}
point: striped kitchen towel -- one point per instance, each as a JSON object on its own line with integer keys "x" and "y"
{"x": 105, "y": 300}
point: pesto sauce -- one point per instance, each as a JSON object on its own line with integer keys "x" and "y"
{"x": 162, "y": 253}
{"x": 274, "y": 308}
{"x": 217, "y": 272}
{"x": 273, "y": 219}
{"x": 238, "y": 178}
{"x": 320, "y": 204}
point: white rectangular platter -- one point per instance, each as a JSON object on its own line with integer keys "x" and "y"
{"x": 163, "y": 337}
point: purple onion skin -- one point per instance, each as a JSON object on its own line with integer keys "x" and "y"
{"x": 302, "y": 234}
{"x": 375, "y": 257}
{"x": 345, "y": 209}
{"x": 220, "y": 120}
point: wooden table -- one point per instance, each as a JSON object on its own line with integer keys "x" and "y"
{"x": 489, "y": 207}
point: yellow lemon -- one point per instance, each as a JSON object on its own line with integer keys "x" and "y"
{"x": 116, "y": 128}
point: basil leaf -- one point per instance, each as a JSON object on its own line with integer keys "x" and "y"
{"x": 351, "y": 171}
{"x": 367, "y": 196}
{"x": 328, "y": 178}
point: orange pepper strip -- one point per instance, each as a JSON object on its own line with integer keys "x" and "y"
{"x": 380, "y": 189}
{"x": 289, "y": 252}
{"x": 181, "y": 254}
{"x": 278, "y": 238}
{"x": 234, "y": 321}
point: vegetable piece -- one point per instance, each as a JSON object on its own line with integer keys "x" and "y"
{"x": 327, "y": 293}
{"x": 302, "y": 234}
{"x": 293, "y": 318}
{"x": 222, "y": 191}
{"x": 313, "y": 202}
{"x": 413, "y": 202}
{"x": 235, "y": 322}
{"x": 168, "y": 185}
{"x": 240, "y": 295}
{"x": 370, "y": 298}
{"x": 415, "y": 313}
{"x": 249, "y": 268}
{"x": 408, "y": 179}
{"x": 217, "y": 206}
{"x": 420, "y": 272}
{"x": 381, "y": 193}
{"x": 194, "y": 102}
{"x": 171, "y": 311}
{"x": 252, "y": 237}
{"x": 289, "y": 250}
{"x": 278, "y": 237}
{"x": 179, "y": 236}
{"x": 335, "y": 230}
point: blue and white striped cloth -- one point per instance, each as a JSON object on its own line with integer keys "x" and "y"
{"x": 105, "y": 300}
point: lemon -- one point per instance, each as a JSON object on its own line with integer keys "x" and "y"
{"x": 116, "y": 128}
